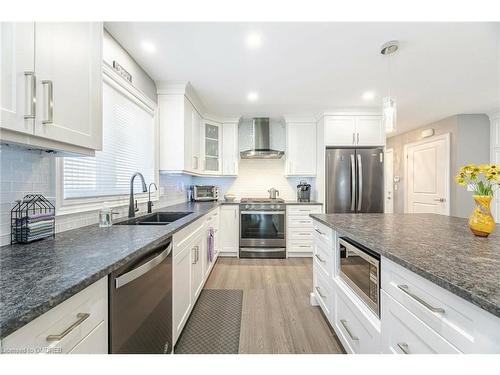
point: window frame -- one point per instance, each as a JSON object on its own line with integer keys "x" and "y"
{"x": 85, "y": 204}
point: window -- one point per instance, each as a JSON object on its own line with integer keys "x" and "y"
{"x": 128, "y": 147}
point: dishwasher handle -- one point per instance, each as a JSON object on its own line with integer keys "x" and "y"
{"x": 142, "y": 269}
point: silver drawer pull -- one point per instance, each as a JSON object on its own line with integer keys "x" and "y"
{"x": 81, "y": 318}
{"x": 404, "y": 347}
{"x": 32, "y": 99}
{"x": 319, "y": 258}
{"x": 50, "y": 102}
{"x": 404, "y": 288}
{"x": 319, "y": 292}
{"x": 344, "y": 323}
{"x": 320, "y": 232}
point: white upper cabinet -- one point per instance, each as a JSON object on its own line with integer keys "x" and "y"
{"x": 68, "y": 64}
{"x": 354, "y": 130}
{"x": 230, "y": 155}
{"x": 212, "y": 147}
{"x": 52, "y": 94}
{"x": 18, "y": 80}
{"x": 179, "y": 135}
{"x": 300, "y": 149}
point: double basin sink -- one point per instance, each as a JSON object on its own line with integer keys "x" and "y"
{"x": 158, "y": 218}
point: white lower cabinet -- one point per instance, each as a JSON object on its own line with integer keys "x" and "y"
{"x": 404, "y": 333}
{"x": 416, "y": 315}
{"x": 299, "y": 229}
{"x": 77, "y": 325}
{"x": 190, "y": 268}
{"x": 229, "y": 230}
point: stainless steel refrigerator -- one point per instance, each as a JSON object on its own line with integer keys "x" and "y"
{"x": 354, "y": 180}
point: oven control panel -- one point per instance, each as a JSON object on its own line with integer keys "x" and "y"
{"x": 263, "y": 207}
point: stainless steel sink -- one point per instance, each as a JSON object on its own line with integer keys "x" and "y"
{"x": 158, "y": 218}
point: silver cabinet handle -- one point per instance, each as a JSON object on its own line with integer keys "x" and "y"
{"x": 353, "y": 184}
{"x": 439, "y": 200}
{"x": 50, "y": 102}
{"x": 404, "y": 288}
{"x": 81, "y": 318}
{"x": 357, "y": 141}
{"x": 142, "y": 269}
{"x": 404, "y": 347}
{"x": 344, "y": 323}
{"x": 320, "y": 232}
{"x": 319, "y": 292}
{"x": 319, "y": 258}
{"x": 360, "y": 182}
{"x": 32, "y": 99}
{"x": 197, "y": 254}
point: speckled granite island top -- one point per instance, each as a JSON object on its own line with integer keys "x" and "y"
{"x": 36, "y": 277}
{"x": 438, "y": 248}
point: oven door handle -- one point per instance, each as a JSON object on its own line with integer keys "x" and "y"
{"x": 141, "y": 270}
{"x": 262, "y": 212}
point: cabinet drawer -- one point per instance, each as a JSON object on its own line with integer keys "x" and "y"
{"x": 467, "y": 327}
{"x": 96, "y": 341}
{"x": 303, "y": 210}
{"x": 323, "y": 291}
{"x": 403, "y": 332}
{"x": 300, "y": 234}
{"x": 187, "y": 235}
{"x": 354, "y": 326}
{"x": 298, "y": 246}
{"x": 323, "y": 233}
{"x": 323, "y": 257}
{"x": 300, "y": 222}
{"x": 71, "y": 317}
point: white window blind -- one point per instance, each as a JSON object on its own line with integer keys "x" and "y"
{"x": 128, "y": 147}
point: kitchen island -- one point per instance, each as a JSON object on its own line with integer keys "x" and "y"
{"x": 426, "y": 260}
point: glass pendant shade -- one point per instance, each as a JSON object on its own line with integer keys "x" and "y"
{"x": 389, "y": 112}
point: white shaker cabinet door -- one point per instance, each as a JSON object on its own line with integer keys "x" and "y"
{"x": 17, "y": 59}
{"x": 68, "y": 63}
{"x": 369, "y": 131}
{"x": 340, "y": 131}
{"x": 301, "y": 149}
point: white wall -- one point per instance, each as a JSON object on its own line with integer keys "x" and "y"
{"x": 256, "y": 177}
{"x": 112, "y": 50}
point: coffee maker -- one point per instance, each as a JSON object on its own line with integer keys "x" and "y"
{"x": 303, "y": 191}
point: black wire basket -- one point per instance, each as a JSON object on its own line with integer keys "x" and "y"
{"x": 32, "y": 218}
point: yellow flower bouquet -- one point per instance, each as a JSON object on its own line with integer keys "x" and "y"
{"x": 484, "y": 180}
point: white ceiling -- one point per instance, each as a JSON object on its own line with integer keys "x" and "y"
{"x": 441, "y": 69}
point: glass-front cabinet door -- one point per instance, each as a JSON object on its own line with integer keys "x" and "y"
{"x": 212, "y": 146}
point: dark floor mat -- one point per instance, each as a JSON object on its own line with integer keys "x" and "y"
{"x": 214, "y": 325}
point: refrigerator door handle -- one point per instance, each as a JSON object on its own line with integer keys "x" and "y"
{"x": 353, "y": 184}
{"x": 360, "y": 182}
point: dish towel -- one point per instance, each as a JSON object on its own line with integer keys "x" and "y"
{"x": 210, "y": 244}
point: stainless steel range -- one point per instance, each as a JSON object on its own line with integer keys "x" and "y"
{"x": 262, "y": 228}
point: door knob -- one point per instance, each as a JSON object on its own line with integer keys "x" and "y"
{"x": 440, "y": 200}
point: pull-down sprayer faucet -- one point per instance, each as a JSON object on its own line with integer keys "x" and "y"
{"x": 131, "y": 209}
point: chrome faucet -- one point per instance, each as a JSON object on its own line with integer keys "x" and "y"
{"x": 150, "y": 203}
{"x": 131, "y": 209}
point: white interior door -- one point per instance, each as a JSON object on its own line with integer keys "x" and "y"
{"x": 427, "y": 185}
{"x": 389, "y": 181}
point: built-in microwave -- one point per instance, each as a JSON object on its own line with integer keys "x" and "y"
{"x": 205, "y": 193}
{"x": 360, "y": 269}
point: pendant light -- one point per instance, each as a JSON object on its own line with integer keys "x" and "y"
{"x": 389, "y": 107}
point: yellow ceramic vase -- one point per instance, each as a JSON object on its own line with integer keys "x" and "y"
{"x": 481, "y": 221}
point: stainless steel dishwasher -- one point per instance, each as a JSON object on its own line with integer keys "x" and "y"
{"x": 140, "y": 304}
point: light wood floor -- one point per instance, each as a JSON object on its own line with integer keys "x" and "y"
{"x": 277, "y": 316}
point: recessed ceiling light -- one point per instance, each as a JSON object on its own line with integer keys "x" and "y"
{"x": 148, "y": 46}
{"x": 252, "y": 96}
{"x": 368, "y": 95}
{"x": 254, "y": 40}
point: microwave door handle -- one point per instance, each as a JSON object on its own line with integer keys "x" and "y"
{"x": 360, "y": 182}
{"x": 353, "y": 184}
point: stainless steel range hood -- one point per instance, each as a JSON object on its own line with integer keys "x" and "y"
{"x": 261, "y": 142}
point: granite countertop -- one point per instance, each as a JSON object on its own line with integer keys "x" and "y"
{"x": 38, "y": 276}
{"x": 438, "y": 248}
{"x": 288, "y": 202}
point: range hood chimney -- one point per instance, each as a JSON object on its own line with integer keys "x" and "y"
{"x": 261, "y": 142}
